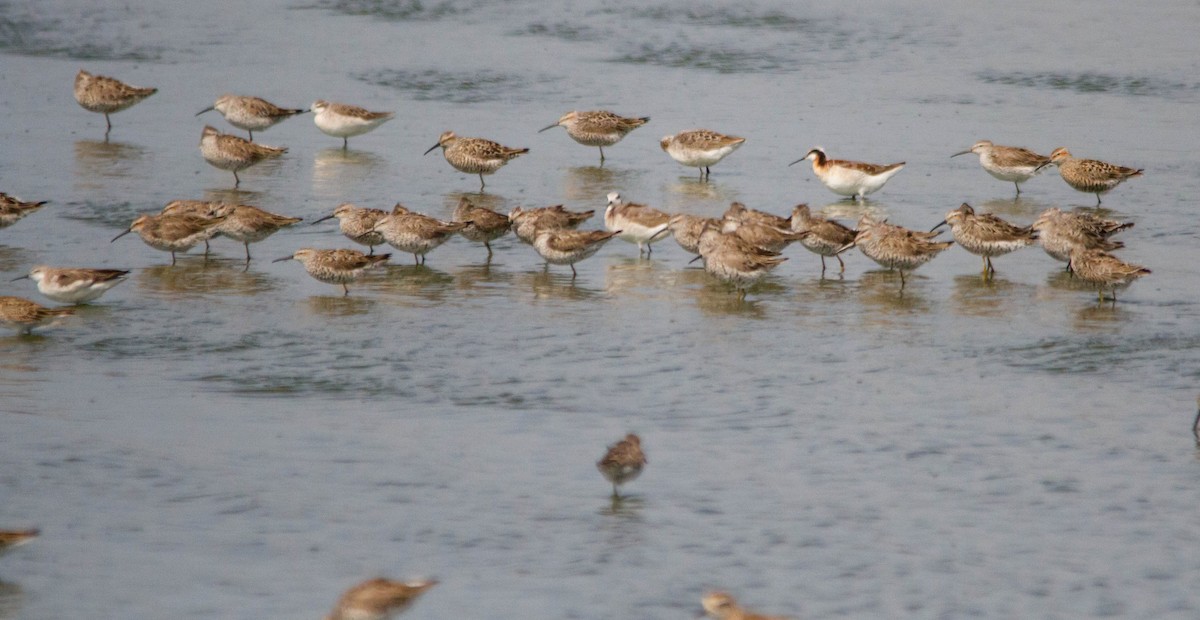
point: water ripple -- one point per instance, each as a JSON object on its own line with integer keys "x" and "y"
{"x": 455, "y": 87}
{"x": 400, "y": 10}
{"x": 1088, "y": 82}
{"x": 82, "y": 32}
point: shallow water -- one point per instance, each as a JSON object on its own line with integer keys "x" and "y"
{"x": 214, "y": 441}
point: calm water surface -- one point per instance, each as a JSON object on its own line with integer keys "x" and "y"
{"x": 214, "y": 442}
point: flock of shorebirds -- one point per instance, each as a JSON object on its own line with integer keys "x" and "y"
{"x": 739, "y": 248}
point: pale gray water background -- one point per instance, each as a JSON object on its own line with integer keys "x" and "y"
{"x": 212, "y": 443}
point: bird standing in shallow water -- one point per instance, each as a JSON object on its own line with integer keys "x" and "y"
{"x": 335, "y": 266}
{"x": 733, "y": 260}
{"x": 527, "y": 223}
{"x": 24, "y": 316}
{"x": 483, "y": 225}
{"x": 415, "y": 233}
{"x": 251, "y": 113}
{"x": 623, "y": 462}
{"x": 1007, "y": 163}
{"x": 700, "y": 148}
{"x": 598, "y": 128}
{"x": 687, "y": 228}
{"x": 229, "y": 152}
{"x": 759, "y": 233}
{"x": 105, "y": 95}
{"x": 637, "y": 223}
{"x": 825, "y": 237}
{"x": 1062, "y": 231}
{"x": 345, "y": 121}
{"x": 986, "y": 235}
{"x": 174, "y": 233}
{"x": 854, "y": 179}
{"x": 1104, "y": 270}
{"x": 896, "y": 247}
{"x": 358, "y": 224}
{"x": 475, "y": 155}
{"x": 248, "y": 224}
{"x": 1089, "y": 175}
{"x": 71, "y": 285}
{"x": 567, "y": 247}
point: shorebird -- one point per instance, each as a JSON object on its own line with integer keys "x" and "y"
{"x": 598, "y": 128}
{"x": 986, "y": 235}
{"x": 475, "y": 155}
{"x": 687, "y": 228}
{"x": 760, "y": 233}
{"x": 12, "y": 209}
{"x": 11, "y": 539}
{"x": 248, "y": 224}
{"x": 700, "y": 148}
{"x": 825, "y": 237}
{"x": 637, "y": 223}
{"x": 174, "y": 233}
{"x": 24, "y": 316}
{"x": 1062, "y": 231}
{"x": 483, "y": 225}
{"x": 527, "y": 222}
{"x": 734, "y": 260}
{"x": 73, "y": 285}
{"x": 1089, "y": 175}
{"x": 378, "y": 599}
{"x": 740, "y": 211}
{"x": 854, "y": 179}
{"x": 358, "y": 224}
{"x": 415, "y": 233}
{"x": 335, "y": 266}
{"x": 105, "y": 95}
{"x": 622, "y": 462}
{"x": 201, "y": 208}
{"x": 1104, "y": 270}
{"x": 229, "y": 152}
{"x": 567, "y": 247}
{"x": 251, "y": 113}
{"x": 345, "y": 121}
{"x": 1007, "y": 163}
{"x": 896, "y": 247}
{"x": 722, "y": 606}
{"x": 207, "y": 209}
